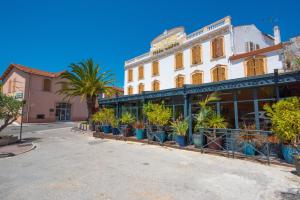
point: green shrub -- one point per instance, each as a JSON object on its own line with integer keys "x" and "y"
{"x": 127, "y": 118}
{"x": 105, "y": 116}
{"x": 285, "y": 117}
{"x": 180, "y": 126}
{"x": 157, "y": 114}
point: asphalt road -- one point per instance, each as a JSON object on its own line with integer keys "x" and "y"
{"x": 70, "y": 165}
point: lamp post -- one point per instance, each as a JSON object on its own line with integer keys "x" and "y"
{"x": 22, "y": 112}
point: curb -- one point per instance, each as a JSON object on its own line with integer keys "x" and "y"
{"x": 10, "y": 154}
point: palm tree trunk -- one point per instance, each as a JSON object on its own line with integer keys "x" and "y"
{"x": 91, "y": 101}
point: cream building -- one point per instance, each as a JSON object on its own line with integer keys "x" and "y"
{"x": 216, "y": 52}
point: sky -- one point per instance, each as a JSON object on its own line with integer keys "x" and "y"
{"x": 49, "y": 35}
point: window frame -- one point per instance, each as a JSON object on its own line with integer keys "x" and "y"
{"x": 192, "y": 58}
{"x": 212, "y": 49}
{"x": 152, "y": 67}
{"x": 44, "y": 85}
{"x": 265, "y": 68}
{"x": 219, "y": 66}
{"x": 182, "y": 61}
{"x": 197, "y": 72}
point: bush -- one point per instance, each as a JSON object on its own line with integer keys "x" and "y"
{"x": 157, "y": 114}
{"x": 9, "y": 110}
{"x": 285, "y": 118}
{"x": 180, "y": 126}
{"x": 127, "y": 118}
{"x": 105, "y": 116}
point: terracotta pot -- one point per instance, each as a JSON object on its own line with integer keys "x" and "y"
{"x": 212, "y": 143}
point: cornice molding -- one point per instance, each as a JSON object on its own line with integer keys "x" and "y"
{"x": 208, "y": 36}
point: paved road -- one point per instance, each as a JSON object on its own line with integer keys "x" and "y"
{"x": 69, "y": 165}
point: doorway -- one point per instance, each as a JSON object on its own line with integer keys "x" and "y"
{"x": 63, "y": 112}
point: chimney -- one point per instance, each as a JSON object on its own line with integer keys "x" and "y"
{"x": 277, "y": 34}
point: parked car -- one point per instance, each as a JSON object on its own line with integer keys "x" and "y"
{"x": 264, "y": 120}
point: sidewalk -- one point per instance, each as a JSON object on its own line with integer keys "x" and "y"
{"x": 15, "y": 149}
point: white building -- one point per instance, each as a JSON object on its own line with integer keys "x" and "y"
{"x": 213, "y": 53}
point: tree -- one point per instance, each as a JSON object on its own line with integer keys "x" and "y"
{"x": 285, "y": 117}
{"x": 9, "y": 110}
{"x": 86, "y": 80}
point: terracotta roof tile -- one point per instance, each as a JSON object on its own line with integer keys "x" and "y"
{"x": 29, "y": 70}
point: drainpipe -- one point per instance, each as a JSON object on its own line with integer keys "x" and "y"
{"x": 28, "y": 99}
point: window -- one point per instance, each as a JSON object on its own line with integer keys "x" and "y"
{"x": 130, "y": 90}
{"x": 155, "y": 85}
{"x": 141, "y": 88}
{"x": 218, "y": 73}
{"x": 255, "y": 66}
{"x": 179, "y": 81}
{"x": 130, "y": 75}
{"x": 40, "y": 116}
{"x": 155, "y": 68}
{"x": 217, "y": 47}
{"x": 47, "y": 85}
{"x": 179, "y": 60}
{"x": 141, "y": 72}
{"x": 196, "y": 55}
{"x": 197, "y": 77}
{"x": 250, "y": 46}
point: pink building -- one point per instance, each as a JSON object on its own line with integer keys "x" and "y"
{"x": 39, "y": 88}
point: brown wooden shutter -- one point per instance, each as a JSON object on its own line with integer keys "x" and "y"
{"x": 197, "y": 78}
{"x": 155, "y": 68}
{"x": 141, "y": 72}
{"x": 178, "y": 61}
{"x": 251, "y": 67}
{"x": 141, "y": 88}
{"x": 259, "y": 66}
{"x": 215, "y": 74}
{"x": 214, "y": 48}
{"x": 219, "y": 47}
{"x": 130, "y": 75}
{"x": 221, "y": 74}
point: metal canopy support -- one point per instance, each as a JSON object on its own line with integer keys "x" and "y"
{"x": 218, "y": 108}
{"x": 256, "y": 111}
{"x": 190, "y": 124}
{"x": 236, "y": 111}
{"x": 186, "y": 105}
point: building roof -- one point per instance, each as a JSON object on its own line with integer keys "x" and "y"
{"x": 28, "y": 70}
{"x": 256, "y": 52}
{"x": 117, "y": 88}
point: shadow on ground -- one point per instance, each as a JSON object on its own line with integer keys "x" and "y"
{"x": 291, "y": 194}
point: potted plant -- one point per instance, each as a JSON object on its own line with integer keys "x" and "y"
{"x": 115, "y": 126}
{"x": 104, "y": 117}
{"x": 202, "y": 117}
{"x": 214, "y": 122}
{"x": 159, "y": 116}
{"x": 285, "y": 118}
{"x": 127, "y": 120}
{"x": 250, "y": 139}
{"x": 139, "y": 130}
{"x": 180, "y": 128}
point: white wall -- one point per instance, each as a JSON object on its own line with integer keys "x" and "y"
{"x": 274, "y": 61}
{"x": 249, "y": 33}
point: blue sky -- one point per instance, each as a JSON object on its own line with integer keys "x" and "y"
{"x": 50, "y": 35}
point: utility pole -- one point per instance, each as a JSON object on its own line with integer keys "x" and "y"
{"x": 22, "y": 112}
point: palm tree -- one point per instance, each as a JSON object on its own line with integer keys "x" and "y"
{"x": 86, "y": 80}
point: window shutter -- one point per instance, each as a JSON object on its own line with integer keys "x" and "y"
{"x": 47, "y": 85}
{"x": 220, "y": 43}
{"x": 155, "y": 68}
{"x": 197, "y": 78}
{"x": 178, "y": 61}
{"x": 247, "y": 47}
{"x": 259, "y": 66}
{"x": 215, "y": 74}
{"x": 141, "y": 72}
{"x": 221, "y": 73}
{"x": 130, "y": 78}
{"x": 214, "y": 48}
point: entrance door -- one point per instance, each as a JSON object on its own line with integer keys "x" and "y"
{"x": 63, "y": 112}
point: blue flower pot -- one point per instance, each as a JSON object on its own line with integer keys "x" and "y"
{"x": 139, "y": 134}
{"x": 181, "y": 140}
{"x": 198, "y": 140}
{"x": 161, "y": 135}
{"x": 106, "y": 129}
{"x": 249, "y": 149}
{"x": 115, "y": 131}
{"x": 287, "y": 152}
